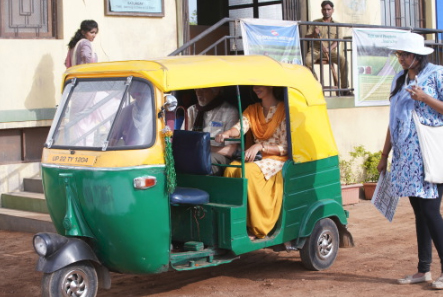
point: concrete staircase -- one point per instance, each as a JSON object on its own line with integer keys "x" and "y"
{"x": 25, "y": 211}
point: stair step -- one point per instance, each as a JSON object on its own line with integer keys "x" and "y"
{"x": 33, "y": 185}
{"x": 25, "y": 221}
{"x": 26, "y": 201}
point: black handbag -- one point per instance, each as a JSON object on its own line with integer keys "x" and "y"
{"x": 237, "y": 155}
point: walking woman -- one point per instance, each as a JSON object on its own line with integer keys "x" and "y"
{"x": 267, "y": 122}
{"x": 80, "y": 47}
{"x": 418, "y": 87}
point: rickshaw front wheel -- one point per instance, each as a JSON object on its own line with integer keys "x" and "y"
{"x": 76, "y": 280}
{"x": 321, "y": 247}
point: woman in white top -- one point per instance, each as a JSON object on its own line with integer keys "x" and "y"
{"x": 80, "y": 46}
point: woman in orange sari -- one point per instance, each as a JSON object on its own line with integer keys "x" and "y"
{"x": 267, "y": 121}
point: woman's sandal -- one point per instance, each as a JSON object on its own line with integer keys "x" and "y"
{"x": 410, "y": 279}
{"x": 438, "y": 284}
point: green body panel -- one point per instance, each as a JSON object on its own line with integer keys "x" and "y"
{"x": 132, "y": 230}
{"x": 312, "y": 191}
{"x": 129, "y": 228}
{"x": 224, "y": 215}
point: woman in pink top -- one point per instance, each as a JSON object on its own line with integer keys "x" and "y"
{"x": 80, "y": 46}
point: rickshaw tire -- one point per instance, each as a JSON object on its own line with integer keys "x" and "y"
{"x": 321, "y": 247}
{"x": 59, "y": 283}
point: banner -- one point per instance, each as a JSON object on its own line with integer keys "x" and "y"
{"x": 277, "y": 39}
{"x": 374, "y": 66}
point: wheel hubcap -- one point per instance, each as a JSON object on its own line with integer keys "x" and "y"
{"x": 75, "y": 284}
{"x": 325, "y": 245}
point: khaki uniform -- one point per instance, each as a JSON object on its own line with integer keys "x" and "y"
{"x": 313, "y": 54}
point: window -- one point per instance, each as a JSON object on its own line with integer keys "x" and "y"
{"x": 403, "y": 13}
{"x": 28, "y": 18}
{"x": 103, "y": 114}
{"x": 264, "y": 9}
{"x": 259, "y": 9}
{"x": 22, "y": 145}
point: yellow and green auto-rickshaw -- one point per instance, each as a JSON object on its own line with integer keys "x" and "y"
{"x": 110, "y": 195}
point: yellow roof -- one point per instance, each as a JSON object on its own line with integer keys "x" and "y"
{"x": 311, "y": 134}
{"x": 187, "y": 72}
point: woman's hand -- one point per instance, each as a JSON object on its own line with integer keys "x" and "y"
{"x": 251, "y": 152}
{"x": 383, "y": 164}
{"x": 417, "y": 93}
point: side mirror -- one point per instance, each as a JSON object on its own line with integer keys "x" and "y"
{"x": 171, "y": 102}
{"x": 169, "y": 105}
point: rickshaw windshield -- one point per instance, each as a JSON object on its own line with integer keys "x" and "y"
{"x": 105, "y": 114}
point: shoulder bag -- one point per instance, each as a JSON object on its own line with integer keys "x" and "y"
{"x": 431, "y": 146}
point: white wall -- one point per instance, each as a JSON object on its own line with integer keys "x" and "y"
{"x": 32, "y": 68}
{"x": 359, "y": 126}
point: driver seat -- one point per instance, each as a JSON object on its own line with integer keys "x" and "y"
{"x": 192, "y": 155}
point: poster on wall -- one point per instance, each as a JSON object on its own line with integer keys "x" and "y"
{"x": 374, "y": 66}
{"x": 277, "y": 39}
{"x": 135, "y": 8}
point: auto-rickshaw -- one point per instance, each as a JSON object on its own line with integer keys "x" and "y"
{"x": 119, "y": 204}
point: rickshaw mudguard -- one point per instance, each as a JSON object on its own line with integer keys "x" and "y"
{"x": 320, "y": 210}
{"x": 71, "y": 250}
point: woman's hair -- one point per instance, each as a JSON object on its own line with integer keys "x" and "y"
{"x": 85, "y": 26}
{"x": 422, "y": 63}
{"x": 279, "y": 93}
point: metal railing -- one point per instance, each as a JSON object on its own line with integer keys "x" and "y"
{"x": 230, "y": 44}
{"x": 189, "y": 48}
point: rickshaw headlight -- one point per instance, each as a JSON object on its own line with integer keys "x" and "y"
{"x": 45, "y": 244}
{"x": 40, "y": 245}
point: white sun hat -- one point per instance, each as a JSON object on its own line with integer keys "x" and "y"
{"x": 411, "y": 43}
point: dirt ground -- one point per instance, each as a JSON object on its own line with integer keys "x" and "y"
{"x": 384, "y": 252}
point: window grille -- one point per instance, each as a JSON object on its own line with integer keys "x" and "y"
{"x": 28, "y": 19}
{"x": 403, "y": 13}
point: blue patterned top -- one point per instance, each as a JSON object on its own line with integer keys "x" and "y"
{"x": 407, "y": 170}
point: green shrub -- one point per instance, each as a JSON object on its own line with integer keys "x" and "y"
{"x": 347, "y": 175}
{"x": 369, "y": 163}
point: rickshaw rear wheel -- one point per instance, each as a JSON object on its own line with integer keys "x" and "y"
{"x": 321, "y": 247}
{"x": 76, "y": 280}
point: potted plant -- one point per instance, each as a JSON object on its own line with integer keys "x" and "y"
{"x": 370, "y": 172}
{"x": 350, "y": 189}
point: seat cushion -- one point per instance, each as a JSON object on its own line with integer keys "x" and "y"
{"x": 192, "y": 196}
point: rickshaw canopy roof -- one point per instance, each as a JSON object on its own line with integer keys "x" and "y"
{"x": 311, "y": 134}
{"x": 188, "y": 72}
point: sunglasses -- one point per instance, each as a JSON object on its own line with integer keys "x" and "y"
{"x": 402, "y": 54}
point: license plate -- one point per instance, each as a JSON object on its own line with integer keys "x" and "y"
{"x": 71, "y": 159}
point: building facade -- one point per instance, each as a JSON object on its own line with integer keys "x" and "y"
{"x": 33, "y": 44}
{"x": 33, "y": 47}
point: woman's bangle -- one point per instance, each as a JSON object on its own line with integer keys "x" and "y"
{"x": 263, "y": 148}
{"x": 385, "y": 155}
